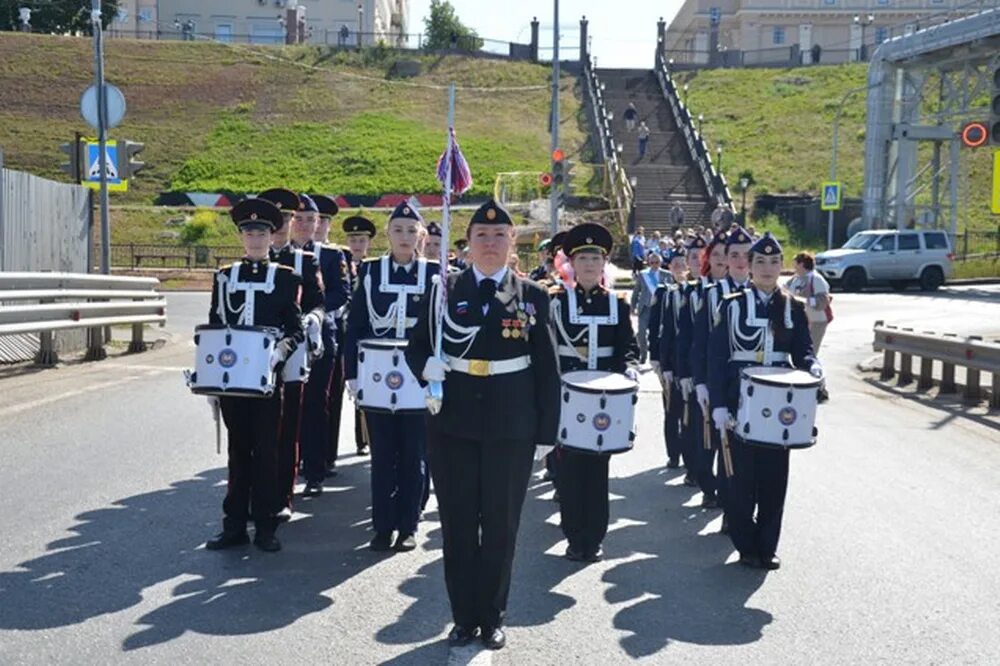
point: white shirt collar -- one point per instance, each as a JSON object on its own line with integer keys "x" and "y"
{"x": 496, "y": 277}
{"x": 405, "y": 267}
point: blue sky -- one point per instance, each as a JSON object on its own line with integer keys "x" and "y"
{"x": 624, "y": 33}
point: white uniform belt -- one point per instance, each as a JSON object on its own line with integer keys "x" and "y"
{"x": 484, "y": 368}
{"x": 602, "y": 352}
{"x": 767, "y": 358}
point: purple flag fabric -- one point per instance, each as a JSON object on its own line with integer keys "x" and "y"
{"x": 461, "y": 177}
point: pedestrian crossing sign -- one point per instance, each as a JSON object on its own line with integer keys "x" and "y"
{"x": 92, "y": 177}
{"x": 831, "y": 196}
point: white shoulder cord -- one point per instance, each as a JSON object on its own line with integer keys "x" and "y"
{"x": 464, "y": 334}
{"x": 249, "y": 289}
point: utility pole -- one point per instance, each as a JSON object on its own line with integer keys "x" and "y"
{"x": 102, "y": 134}
{"x": 553, "y": 194}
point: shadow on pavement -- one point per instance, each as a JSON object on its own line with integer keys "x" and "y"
{"x": 118, "y": 552}
{"x": 952, "y": 406}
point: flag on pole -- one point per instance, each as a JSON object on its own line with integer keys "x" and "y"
{"x": 461, "y": 177}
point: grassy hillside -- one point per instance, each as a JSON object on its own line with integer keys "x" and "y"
{"x": 778, "y": 124}
{"x": 243, "y": 117}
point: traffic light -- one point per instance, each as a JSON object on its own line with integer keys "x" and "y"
{"x": 558, "y": 168}
{"x": 74, "y": 158}
{"x": 994, "y": 124}
{"x": 128, "y": 166}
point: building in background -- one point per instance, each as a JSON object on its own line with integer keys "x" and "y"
{"x": 749, "y": 32}
{"x": 330, "y": 22}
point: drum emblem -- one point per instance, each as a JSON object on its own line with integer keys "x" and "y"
{"x": 787, "y": 416}
{"x": 227, "y": 358}
{"x": 602, "y": 421}
{"x": 394, "y": 380}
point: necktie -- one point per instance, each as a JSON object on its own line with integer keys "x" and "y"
{"x": 487, "y": 290}
{"x": 401, "y": 273}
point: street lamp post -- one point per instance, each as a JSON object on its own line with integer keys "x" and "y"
{"x": 685, "y": 95}
{"x": 701, "y": 119}
{"x": 718, "y": 153}
{"x": 744, "y": 184}
{"x": 864, "y": 23}
{"x": 361, "y": 18}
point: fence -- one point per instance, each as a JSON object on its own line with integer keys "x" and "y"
{"x": 972, "y": 353}
{"x": 977, "y": 244}
{"x": 615, "y": 179}
{"x": 135, "y": 255}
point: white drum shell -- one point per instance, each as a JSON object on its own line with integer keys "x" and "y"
{"x": 597, "y": 411}
{"x": 233, "y": 361}
{"x": 777, "y": 407}
{"x": 385, "y": 383}
{"x": 297, "y": 366}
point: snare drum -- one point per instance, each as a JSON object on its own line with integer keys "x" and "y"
{"x": 233, "y": 360}
{"x": 777, "y": 407}
{"x": 598, "y": 411}
{"x": 385, "y": 383}
{"x": 297, "y": 366}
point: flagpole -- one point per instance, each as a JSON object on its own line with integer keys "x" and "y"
{"x": 437, "y": 388}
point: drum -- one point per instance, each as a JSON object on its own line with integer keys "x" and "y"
{"x": 297, "y": 366}
{"x": 385, "y": 383}
{"x": 598, "y": 411}
{"x": 233, "y": 360}
{"x": 777, "y": 407}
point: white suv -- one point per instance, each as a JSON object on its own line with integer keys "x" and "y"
{"x": 898, "y": 258}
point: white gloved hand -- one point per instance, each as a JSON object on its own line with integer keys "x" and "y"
{"x": 352, "y": 388}
{"x": 435, "y": 369}
{"x": 655, "y": 365}
{"x": 816, "y": 370}
{"x": 720, "y": 417}
{"x": 632, "y": 374}
{"x": 281, "y": 352}
{"x": 687, "y": 386}
{"x": 701, "y": 392}
{"x": 314, "y": 334}
{"x": 668, "y": 376}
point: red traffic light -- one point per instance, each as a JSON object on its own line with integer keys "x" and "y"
{"x": 545, "y": 179}
{"x": 975, "y": 135}
{"x": 558, "y": 155}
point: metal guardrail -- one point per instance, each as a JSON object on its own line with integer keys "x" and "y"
{"x": 972, "y": 353}
{"x": 47, "y": 302}
{"x": 715, "y": 182}
{"x": 615, "y": 178}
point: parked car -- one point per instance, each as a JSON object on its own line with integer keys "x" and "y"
{"x": 888, "y": 256}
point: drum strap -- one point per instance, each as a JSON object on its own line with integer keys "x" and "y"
{"x": 249, "y": 289}
{"x": 298, "y": 262}
{"x": 592, "y": 322}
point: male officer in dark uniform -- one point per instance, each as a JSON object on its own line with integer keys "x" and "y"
{"x": 545, "y": 262}
{"x": 459, "y": 260}
{"x": 359, "y": 231}
{"x": 314, "y": 433}
{"x": 583, "y": 475}
{"x": 311, "y": 302}
{"x": 254, "y": 490}
{"x": 501, "y": 398}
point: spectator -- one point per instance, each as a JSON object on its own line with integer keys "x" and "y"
{"x": 646, "y": 284}
{"x": 643, "y": 139}
{"x": 665, "y": 245}
{"x": 630, "y": 116}
{"x": 817, "y": 50}
{"x": 638, "y": 251}
{"x": 815, "y": 290}
{"x": 514, "y": 264}
{"x": 676, "y": 216}
{"x": 653, "y": 244}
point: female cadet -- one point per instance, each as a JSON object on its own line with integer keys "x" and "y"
{"x": 726, "y": 269}
{"x": 671, "y": 349}
{"x": 501, "y": 398}
{"x": 392, "y": 289}
{"x": 583, "y": 476}
{"x": 762, "y": 325}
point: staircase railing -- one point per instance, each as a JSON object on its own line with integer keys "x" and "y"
{"x": 616, "y": 180}
{"x": 715, "y": 182}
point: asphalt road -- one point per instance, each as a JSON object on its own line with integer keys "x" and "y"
{"x": 110, "y": 484}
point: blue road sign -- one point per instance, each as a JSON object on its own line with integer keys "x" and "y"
{"x": 831, "y": 196}
{"x": 92, "y": 176}
{"x": 714, "y": 15}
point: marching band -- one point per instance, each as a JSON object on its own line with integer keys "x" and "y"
{"x": 466, "y": 373}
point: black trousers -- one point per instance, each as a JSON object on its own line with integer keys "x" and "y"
{"x": 399, "y": 467}
{"x": 288, "y": 443}
{"x": 672, "y": 417}
{"x": 314, "y": 431}
{"x": 697, "y": 458}
{"x": 253, "y": 491}
{"x": 759, "y": 483}
{"x": 583, "y": 498}
{"x": 480, "y": 486}
{"x": 721, "y": 480}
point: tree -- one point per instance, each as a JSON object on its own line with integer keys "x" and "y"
{"x": 56, "y": 17}
{"x": 445, "y": 31}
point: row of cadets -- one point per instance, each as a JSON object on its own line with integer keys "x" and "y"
{"x": 501, "y": 399}
{"x": 593, "y": 330}
{"x": 725, "y": 271}
{"x": 359, "y": 231}
{"x": 552, "y": 278}
{"x": 392, "y": 291}
{"x": 255, "y": 292}
{"x": 314, "y": 434}
{"x": 762, "y": 325}
{"x": 311, "y": 302}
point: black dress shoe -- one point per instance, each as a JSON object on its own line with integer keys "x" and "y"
{"x": 382, "y": 541}
{"x": 284, "y": 515}
{"x": 709, "y": 502}
{"x": 313, "y": 489}
{"x": 548, "y": 476}
{"x": 690, "y": 481}
{"x": 772, "y": 563}
{"x": 494, "y": 638}
{"x": 751, "y": 561}
{"x": 363, "y": 450}
{"x": 404, "y": 543}
{"x": 331, "y": 472}
{"x": 725, "y": 526}
{"x": 673, "y": 463}
{"x": 225, "y": 540}
{"x": 267, "y": 542}
{"x": 461, "y": 636}
{"x": 574, "y": 554}
{"x": 555, "y": 496}
{"x": 595, "y": 555}
{"x": 822, "y": 395}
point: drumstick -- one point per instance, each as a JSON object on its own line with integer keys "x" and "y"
{"x": 218, "y": 428}
{"x": 687, "y": 412}
{"x": 364, "y": 427}
{"x": 706, "y": 439}
{"x": 727, "y": 457}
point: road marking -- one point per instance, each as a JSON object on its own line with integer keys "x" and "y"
{"x": 41, "y": 402}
